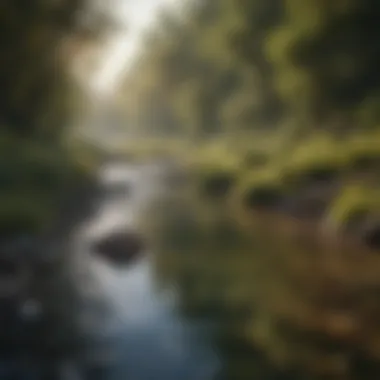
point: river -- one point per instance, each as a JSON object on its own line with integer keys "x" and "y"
{"x": 141, "y": 336}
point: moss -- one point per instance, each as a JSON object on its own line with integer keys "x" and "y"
{"x": 357, "y": 212}
{"x": 255, "y": 159}
{"x": 364, "y": 151}
{"x": 316, "y": 161}
{"x": 214, "y": 175}
{"x": 353, "y": 204}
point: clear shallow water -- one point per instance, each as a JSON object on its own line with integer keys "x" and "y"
{"x": 146, "y": 340}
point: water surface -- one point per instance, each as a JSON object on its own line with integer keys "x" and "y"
{"x": 141, "y": 337}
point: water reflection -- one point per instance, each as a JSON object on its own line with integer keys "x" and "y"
{"x": 147, "y": 338}
{"x": 288, "y": 306}
{"x": 152, "y": 340}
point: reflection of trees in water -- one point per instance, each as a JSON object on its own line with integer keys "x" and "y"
{"x": 287, "y": 305}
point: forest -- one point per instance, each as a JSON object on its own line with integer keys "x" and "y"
{"x": 273, "y": 95}
{"x": 40, "y": 161}
{"x": 272, "y": 111}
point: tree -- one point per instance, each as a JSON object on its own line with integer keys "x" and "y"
{"x": 34, "y": 84}
{"x": 37, "y": 99}
{"x": 326, "y": 53}
{"x": 259, "y": 19}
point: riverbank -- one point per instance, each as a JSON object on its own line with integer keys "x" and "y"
{"x": 282, "y": 253}
{"x": 47, "y": 193}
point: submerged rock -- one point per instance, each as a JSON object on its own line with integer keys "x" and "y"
{"x": 120, "y": 247}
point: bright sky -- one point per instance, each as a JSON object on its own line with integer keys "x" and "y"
{"x": 138, "y": 15}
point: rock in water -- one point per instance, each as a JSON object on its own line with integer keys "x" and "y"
{"x": 120, "y": 247}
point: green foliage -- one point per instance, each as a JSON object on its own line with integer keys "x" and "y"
{"x": 34, "y": 178}
{"x": 30, "y": 74}
{"x": 368, "y": 113}
{"x": 364, "y": 152}
{"x": 254, "y": 64}
{"x": 37, "y": 101}
{"x": 318, "y": 46}
{"x": 316, "y": 158}
{"x": 249, "y": 42}
{"x": 214, "y": 171}
{"x": 274, "y": 97}
{"x": 255, "y": 159}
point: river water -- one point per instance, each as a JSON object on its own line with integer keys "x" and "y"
{"x": 141, "y": 336}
